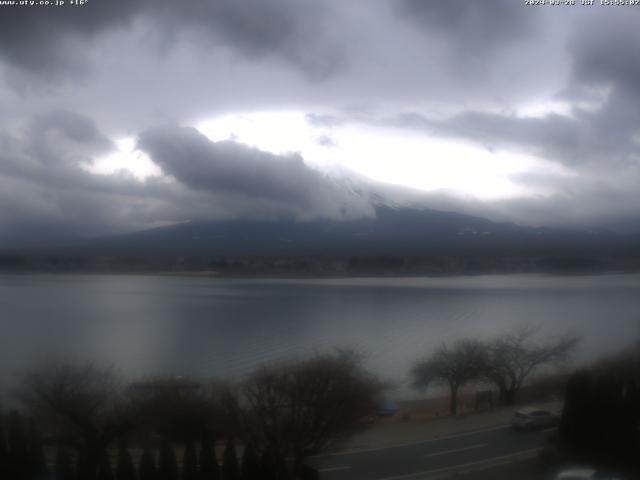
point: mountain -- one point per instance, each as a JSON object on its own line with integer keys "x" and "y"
{"x": 393, "y": 231}
{"x": 396, "y": 240}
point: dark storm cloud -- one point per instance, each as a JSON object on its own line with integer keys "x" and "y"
{"x": 228, "y": 166}
{"x": 38, "y": 39}
{"x": 470, "y": 28}
{"x": 51, "y": 41}
{"x": 73, "y": 126}
{"x": 52, "y": 146}
{"x": 294, "y": 31}
{"x": 605, "y": 53}
{"x": 55, "y": 134}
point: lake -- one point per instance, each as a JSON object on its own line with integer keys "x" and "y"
{"x": 208, "y": 327}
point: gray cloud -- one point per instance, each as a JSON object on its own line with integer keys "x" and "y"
{"x": 326, "y": 141}
{"x": 553, "y": 135}
{"x": 55, "y": 41}
{"x": 585, "y": 138}
{"x": 46, "y": 192}
{"x": 458, "y": 70}
{"x": 73, "y": 126}
{"x": 602, "y": 53}
{"x": 471, "y": 27}
{"x": 39, "y": 39}
{"x": 63, "y": 136}
{"x": 602, "y": 137}
{"x": 228, "y": 166}
{"x": 324, "y": 120}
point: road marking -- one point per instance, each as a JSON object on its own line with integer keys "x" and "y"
{"x": 455, "y": 450}
{"x": 408, "y": 444}
{"x": 487, "y": 461}
{"x": 333, "y": 469}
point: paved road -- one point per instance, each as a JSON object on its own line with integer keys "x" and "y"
{"x": 430, "y": 458}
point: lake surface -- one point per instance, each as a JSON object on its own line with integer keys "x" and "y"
{"x": 225, "y": 327}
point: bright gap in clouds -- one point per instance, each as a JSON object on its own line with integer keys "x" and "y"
{"x": 384, "y": 154}
{"x": 126, "y": 159}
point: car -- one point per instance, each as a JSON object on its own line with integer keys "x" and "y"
{"x": 532, "y": 418}
{"x": 577, "y": 474}
{"x": 584, "y": 473}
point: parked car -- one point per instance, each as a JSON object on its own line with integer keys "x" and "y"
{"x": 584, "y": 474}
{"x": 533, "y": 418}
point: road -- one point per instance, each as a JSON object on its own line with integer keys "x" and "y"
{"x": 431, "y": 458}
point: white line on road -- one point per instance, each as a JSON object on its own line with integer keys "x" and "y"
{"x": 485, "y": 462}
{"x": 333, "y": 469}
{"x": 455, "y": 450}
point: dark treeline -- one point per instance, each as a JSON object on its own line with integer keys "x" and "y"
{"x": 314, "y": 265}
{"x": 22, "y": 457}
{"x": 83, "y": 423}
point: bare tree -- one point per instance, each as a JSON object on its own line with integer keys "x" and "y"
{"x": 178, "y": 408}
{"x": 514, "y": 356}
{"x": 452, "y": 366}
{"x": 301, "y": 408}
{"x": 83, "y": 405}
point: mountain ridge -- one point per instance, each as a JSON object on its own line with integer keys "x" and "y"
{"x": 397, "y": 239}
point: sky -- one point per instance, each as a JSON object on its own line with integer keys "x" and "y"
{"x": 123, "y": 115}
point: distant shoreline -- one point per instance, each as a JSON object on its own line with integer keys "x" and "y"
{"x": 213, "y": 274}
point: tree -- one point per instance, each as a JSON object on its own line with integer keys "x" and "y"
{"x": 601, "y": 415}
{"x": 125, "y": 469}
{"x": 4, "y": 452}
{"x": 86, "y": 405}
{"x": 176, "y": 408}
{"x": 301, "y": 408}
{"x": 208, "y": 462}
{"x": 84, "y": 469}
{"x": 19, "y": 467}
{"x": 250, "y": 464}
{"x": 104, "y": 466}
{"x": 168, "y": 466}
{"x": 453, "y": 366}
{"x": 189, "y": 462}
{"x": 37, "y": 460}
{"x": 63, "y": 470}
{"x": 269, "y": 465}
{"x": 513, "y": 357}
{"x": 147, "y": 468}
{"x": 230, "y": 467}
